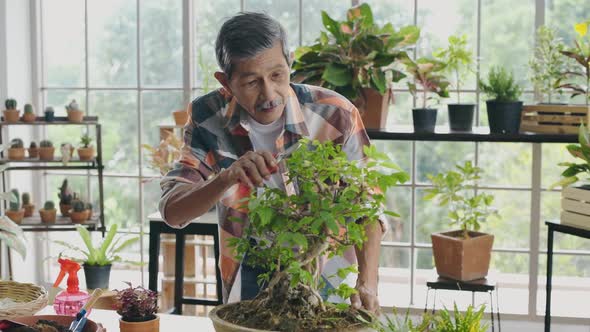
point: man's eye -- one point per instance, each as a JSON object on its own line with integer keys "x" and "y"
{"x": 252, "y": 83}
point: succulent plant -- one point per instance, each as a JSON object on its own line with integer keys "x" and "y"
{"x": 10, "y": 104}
{"x": 33, "y": 145}
{"x": 15, "y": 200}
{"x": 78, "y": 206}
{"x": 26, "y": 199}
{"x": 49, "y": 205}
{"x": 46, "y": 144}
{"x": 65, "y": 193}
{"x": 136, "y": 304}
{"x": 49, "y": 109}
{"x": 73, "y": 106}
{"x": 85, "y": 141}
{"x": 28, "y": 108}
{"x": 16, "y": 143}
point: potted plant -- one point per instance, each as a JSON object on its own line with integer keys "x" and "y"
{"x": 581, "y": 54}
{"x": 78, "y": 212}
{"x": 459, "y": 62}
{"x": 46, "y": 150}
{"x": 10, "y": 233}
{"x": 138, "y": 307}
{"x": 162, "y": 156}
{"x": 547, "y": 64}
{"x": 504, "y": 109}
{"x": 462, "y": 254}
{"x": 74, "y": 113}
{"x": 33, "y": 151}
{"x": 29, "y": 208}
{"x": 88, "y": 209}
{"x": 16, "y": 151}
{"x": 337, "y": 199}
{"x": 15, "y": 212}
{"x": 98, "y": 259}
{"x": 470, "y": 321}
{"x": 48, "y": 213}
{"x": 426, "y": 73}
{"x": 65, "y": 198}
{"x": 29, "y": 115}
{"x": 86, "y": 151}
{"x": 49, "y": 114}
{"x": 11, "y": 114}
{"x": 356, "y": 58}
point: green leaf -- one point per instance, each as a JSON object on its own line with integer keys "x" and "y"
{"x": 337, "y": 74}
{"x": 331, "y": 25}
{"x": 125, "y": 244}
{"x": 378, "y": 79}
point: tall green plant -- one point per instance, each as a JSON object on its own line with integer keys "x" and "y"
{"x": 427, "y": 73}
{"x": 547, "y": 64}
{"x": 501, "y": 85}
{"x": 354, "y": 54}
{"x": 459, "y": 60}
{"x": 581, "y": 53}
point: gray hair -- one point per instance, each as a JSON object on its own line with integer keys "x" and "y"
{"x": 245, "y": 35}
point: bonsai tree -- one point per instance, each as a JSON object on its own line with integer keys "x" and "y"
{"x": 85, "y": 141}
{"x": 581, "y": 53}
{"x": 501, "y": 85}
{"x": 456, "y": 189}
{"x": 427, "y": 73}
{"x": 459, "y": 60}
{"x": 354, "y": 54}
{"x": 547, "y": 64}
{"x": 337, "y": 198}
{"x": 136, "y": 304}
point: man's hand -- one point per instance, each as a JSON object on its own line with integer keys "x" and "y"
{"x": 366, "y": 297}
{"x": 251, "y": 169}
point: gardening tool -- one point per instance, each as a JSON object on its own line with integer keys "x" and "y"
{"x": 70, "y": 301}
{"x": 80, "y": 321}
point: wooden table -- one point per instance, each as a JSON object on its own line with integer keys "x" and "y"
{"x": 168, "y": 323}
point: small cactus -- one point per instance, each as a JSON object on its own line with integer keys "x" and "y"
{"x": 65, "y": 193}
{"x": 49, "y": 109}
{"x": 73, "y": 106}
{"x": 10, "y": 104}
{"x": 16, "y": 143}
{"x": 49, "y": 205}
{"x": 15, "y": 200}
{"x": 28, "y": 108}
{"x": 78, "y": 206}
{"x": 85, "y": 141}
{"x": 26, "y": 199}
{"x": 46, "y": 144}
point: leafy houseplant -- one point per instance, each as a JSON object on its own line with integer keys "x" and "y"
{"x": 163, "y": 155}
{"x": 49, "y": 114}
{"x": 15, "y": 212}
{"x": 97, "y": 260}
{"x": 356, "y": 58}
{"x": 46, "y": 150}
{"x": 426, "y": 73}
{"x": 504, "y": 109}
{"x": 581, "y": 53}
{"x": 138, "y": 307}
{"x": 48, "y": 213}
{"x": 337, "y": 198}
{"x": 29, "y": 208}
{"x": 11, "y": 114}
{"x": 581, "y": 150}
{"x": 462, "y": 254}
{"x": 547, "y": 64}
{"x": 16, "y": 151}
{"x": 74, "y": 113}
{"x": 29, "y": 114}
{"x": 65, "y": 195}
{"x": 459, "y": 62}
{"x": 86, "y": 151}
{"x": 33, "y": 150}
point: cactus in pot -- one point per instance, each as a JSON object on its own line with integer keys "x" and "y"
{"x": 74, "y": 113}
{"x": 78, "y": 213}
{"x": 48, "y": 212}
{"x": 11, "y": 114}
{"x": 86, "y": 151}
{"x": 29, "y": 115}
{"x": 33, "y": 150}
{"x": 49, "y": 114}
{"x": 15, "y": 212}
{"x": 88, "y": 208}
{"x": 65, "y": 198}
{"x": 46, "y": 150}
{"x": 16, "y": 151}
{"x": 29, "y": 208}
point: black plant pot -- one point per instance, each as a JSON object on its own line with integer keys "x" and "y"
{"x": 461, "y": 116}
{"x": 424, "y": 119}
{"x": 504, "y": 117}
{"x": 49, "y": 116}
{"x": 97, "y": 276}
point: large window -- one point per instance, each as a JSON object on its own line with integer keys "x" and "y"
{"x": 125, "y": 61}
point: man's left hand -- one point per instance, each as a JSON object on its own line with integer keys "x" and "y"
{"x": 366, "y": 297}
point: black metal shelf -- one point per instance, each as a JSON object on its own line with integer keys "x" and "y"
{"x": 58, "y": 121}
{"x": 34, "y": 224}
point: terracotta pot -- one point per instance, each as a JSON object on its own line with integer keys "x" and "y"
{"x": 46, "y": 153}
{"x": 374, "y": 108}
{"x": 33, "y": 153}
{"x": 78, "y": 217}
{"x": 29, "y": 117}
{"x": 86, "y": 153}
{"x": 180, "y": 117}
{"x": 16, "y": 216}
{"x": 16, "y": 153}
{"x": 147, "y": 326}
{"x": 64, "y": 209}
{"x": 76, "y": 116}
{"x": 29, "y": 210}
{"x": 62, "y": 320}
{"x": 88, "y": 214}
{"x": 11, "y": 116}
{"x": 462, "y": 259}
{"x": 48, "y": 216}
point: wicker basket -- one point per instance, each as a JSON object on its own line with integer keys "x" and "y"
{"x": 31, "y": 298}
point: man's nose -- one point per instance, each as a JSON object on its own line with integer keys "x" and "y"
{"x": 267, "y": 91}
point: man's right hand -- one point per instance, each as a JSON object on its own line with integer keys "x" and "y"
{"x": 251, "y": 169}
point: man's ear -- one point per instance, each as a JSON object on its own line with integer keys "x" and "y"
{"x": 221, "y": 77}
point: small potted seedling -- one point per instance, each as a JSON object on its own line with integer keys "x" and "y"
{"x": 65, "y": 198}
{"x": 78, "y": 213}
{"x": 11, "y": 114}
{"x": 74, "y": 113}
{"x": 33, "y": 151}
{"x": 15, "y": 212}
{"x": 27, "y": 205}
{"x": 46, "y": 150}
{"x": 16, "y": 151}
{"x": 86, "y": 151}
{"x": 49, "y": 114}
{"x": 88, "y": 211}
{"x": 48, "y": 213}
{"x": 29, "y": 115}
{"x": 137, "y": 307}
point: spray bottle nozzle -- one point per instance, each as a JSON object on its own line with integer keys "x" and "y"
{"x": 71, "y": 268}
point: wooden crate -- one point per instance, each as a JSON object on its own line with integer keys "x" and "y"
{"x": 553, "y": 119}
{"x": 575, "y": 207}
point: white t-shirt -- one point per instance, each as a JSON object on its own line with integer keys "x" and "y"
{"x": 264, "y": 137}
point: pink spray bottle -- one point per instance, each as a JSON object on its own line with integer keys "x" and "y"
{"x": 70, "y": 301}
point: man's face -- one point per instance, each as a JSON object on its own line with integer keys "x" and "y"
{"x": 260, "y": 84}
